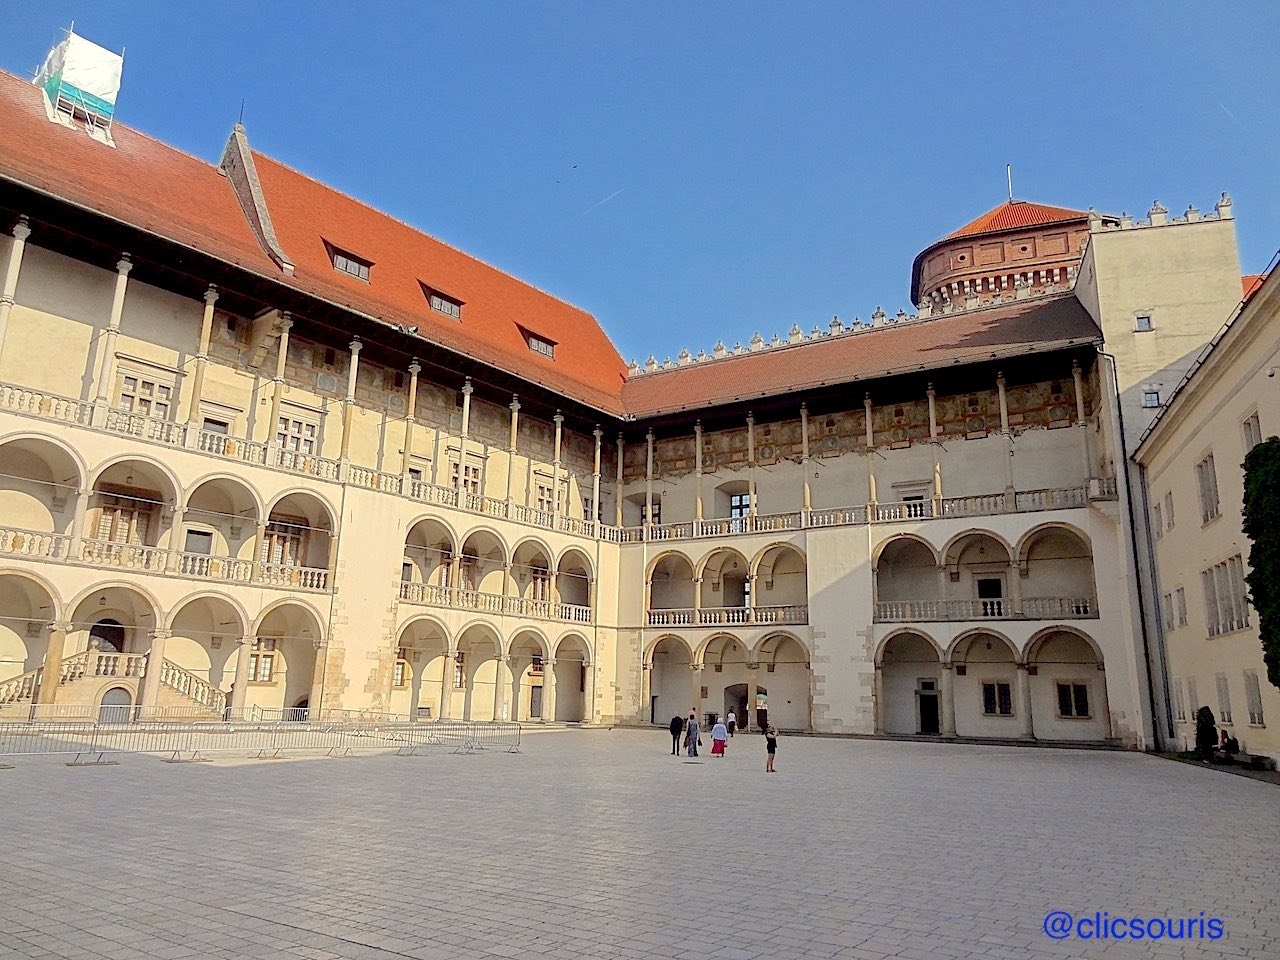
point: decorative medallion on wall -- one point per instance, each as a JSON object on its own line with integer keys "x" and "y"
{"x": 396, "y": 403}
{"x": 326, "y": 382}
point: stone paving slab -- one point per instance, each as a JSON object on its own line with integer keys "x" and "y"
{"x": 599, "y": 844}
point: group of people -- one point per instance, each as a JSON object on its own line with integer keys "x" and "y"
{"x": 721, "y": 733}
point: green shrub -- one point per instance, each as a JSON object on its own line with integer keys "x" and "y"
{"x": 1262, "y": 527}
{"x": 1206, "y": 733}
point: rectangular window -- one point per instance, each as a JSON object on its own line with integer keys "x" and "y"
{"x": 1157, "y": 523}
{"x": 262, "y": 661}
{"x": 124, "y": 519}
{"x": 470, "y": 477}
{"x": 145, "y": 397}
{"x": 1168, "y": 510}
{"x": 460, "y": 671}
{"x": 199, "y": 541}
{"x": 1252, "y": 429}
{"x": 284, "y": 543}
{"x": 1193, "y": 700}
{"x": 536, "y": 667}
{"x": 1180, "y": 595}
{"x": 652, "y": 513}
{"x": 539, "y": 583}
{"x": 1166, "y": 610}
{"x": 442, "y": 303}
{"x": 1150, "y": 398}
{"x": 350, "y": 264}
{"x": 739, "y": 505}
{"x": 1224, "y": 699}
{"x": 539, "y": 344}
{"x": 997, "y": 700}
{"x": 1253, "y": 693}
{"x": 220, "y": 427}
{"x": 400, "y": 672}
{"x": 1179, "y": 705}
{"x": 1207, "y": 481}
{"x": 406, "y": 572}
{"x": 1226, "y": 596}
{"x": 1142, "y": 323}
{"x": 1073, "y": 700}
{"x": 296, "y": 436}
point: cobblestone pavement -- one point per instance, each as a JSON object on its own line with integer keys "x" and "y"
{"x": 599, "y": 844}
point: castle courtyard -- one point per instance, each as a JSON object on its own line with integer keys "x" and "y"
{"x": 600, "y": 844}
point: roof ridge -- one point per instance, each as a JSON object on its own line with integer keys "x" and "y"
{"x": 418, "y": 230}
{"x": 913, "y": 320}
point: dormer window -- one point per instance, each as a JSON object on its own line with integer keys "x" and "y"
{"x": 539, "y": 344}
{"x": 442, "y": 302}
{"x": 346, "y": 262}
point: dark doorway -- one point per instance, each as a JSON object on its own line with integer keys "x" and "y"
{"x": 109, "y": 635}
{"x": 927, "y": 694}
{"x": 535, "y": 703}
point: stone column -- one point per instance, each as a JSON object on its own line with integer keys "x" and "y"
{"x": 877, "y": 694}
{"x": 1008, "y": 443}
{"x": 595, "y": 480}
{"x": 947, "y": 703}
{"x": 459, "y": 485}
{"x": 933, "y": 446}
{"x": 259, "y": 545}
{"x": 697, "y": 470}
{"x": 51, "y": 671}
{"x": 277, "y": 392}
{"x": 806, "y": 503}
{"x": 240, "y": 687}
{"x": 589, "y": 692}
{"x": 695, "y": 703}
{"x": 78, "y": 521}
{"x": 315, "y": 699}
{"x": 410, "y": 420}
{"x": 648, "y": 484}
{"x": 501, "y": 684}
{"x": 549, "y": 691}
{"x": 446, "y": 683}
{"x": 194, "y": 421}
{"x": 617, "y": 495}
{"x": 177, "y": 542}
{"x": 8, "y": 290}
{"x": 511, "y": 446}
{"x": 1081, "y": 423}
{"x": 1025, "y": 725}
{"x": 871, "y": 466}
{"x": 155, "y": 662}
{"x": 348, "y": 409}
{"x": 1015, "y": 586}
{"x": 107, "y": 361}
{"x": 751, "y": 471}
{"x": 517, "y": 672}
{"x": 558, "y": 419}
{"x": 753, "y": 691}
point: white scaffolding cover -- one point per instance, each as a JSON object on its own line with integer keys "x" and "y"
{"x": 84, "y": 73}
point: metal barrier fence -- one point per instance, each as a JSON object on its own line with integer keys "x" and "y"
{"x": 94, "y": 741}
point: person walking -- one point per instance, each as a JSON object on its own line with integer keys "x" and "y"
{"x": 719, "y": 738}
{"x": 770, "y": 745}
{"x": 691, "y": 735}
{"x": 677, "y": 728}
{"x": 731, "y": 721}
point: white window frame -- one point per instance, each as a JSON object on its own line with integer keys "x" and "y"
{"x": 997, "y": 684}
{"x": 1207, "y": 483}
{"x": 1150, "y": 399}
{"x": 1224, "y": 698}
{"x": 159, "y": 378}
{"x": 1179, "y": 705}
{"x": 1180, "y": 597}
{"x": 1143, "y": 323}
{"x": 298, "y": 441}
{"x": 262, "y": 661}
{"x": 349, "y": 264}
{"x": 1253, "y": 694}
{"x": 1168, "y": 510}
{"x": 1252, "y": 431}
{"x": 1088, "y": 700}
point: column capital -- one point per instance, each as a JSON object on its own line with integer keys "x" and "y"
{"x": 558, "y": 418}
{"x": 161, "y": 634}
{"x": 247, "y": 641}
{"x": 124, "y": 265}
{"x": 515, "y": 403}
{"x": 415, "y": 367}
{"x": 1000, "y": 381}
{"x": 286, "y": 322}
{"x": 64, "y": 626}
{"x": 211, "y": 295}
{"x": 355, "y": 345}
{"x": 549, "y": 663}
{"x": 1075, "y": 367}
{"x": 598, "y": 434}
{"x": 929, "y": 391}
{"x": 21, "y": 229}
{"x": 503, "y": 658}
{"x": 947, "y": 665}
{"x": 467, "y": 388}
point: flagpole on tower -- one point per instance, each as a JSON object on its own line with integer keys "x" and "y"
{"x": 1008, "y": 170}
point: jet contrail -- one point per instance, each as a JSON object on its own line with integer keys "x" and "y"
{"x": 601, "y": 203}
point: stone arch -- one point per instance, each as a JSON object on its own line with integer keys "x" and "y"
{"x": 221, "y": 476}
{"x": 779, "y": 576}
{"x": 220, "y": 519}
{"x": 305, "y": 494}
{"x": 483, "y": 560}
{"x": 241, "y": 613}
{"x": 530, "y": 630}
{"x": 954, "y": 549}
{"x": 675, "y": 638}
{"x": 669, "y": 687}
{"x": 318, "y": 620}
{"x": 43, "y": 583}
{"x": 532, "y": 568}
{"x": 669, "y": 555}
{"x": 897, "y": 539}
{"x": 424, "y": 642}
{"x": 725, "y": 574}
{"x": 1038, "y": 639}
{"x": 1055, "y": 560}
{"x": 670, "y": 582}
{"x": 437, "y": 520}
{"x": 938, "y": 652}
{"x": 713, "y": 563}
{"x": 577, "y": 637}
{"x": 784, "y": 676}
{"x": 152, "y": 604}
{"x": 289, "y": 633}
{"x": 428, "y": 619}
{"x": 132, "y": 612}
{"x": 175, "y": 487}
{"x": 724, "y": 642}
{"x": 38, "y": 491}
{"x": 1067, "y": 686}
{"x": 961, "y": 646}
{"x": 575, "y": 577}
{"x": 65, "y": 449}
{"x": 204, "y": 636}
{"x": 574, "y": 678}
{"x": 430, "y": 544}
{"x": 478, "y": 649}
{"x": 540, "y": 542}
{"x": 30, "y": 606}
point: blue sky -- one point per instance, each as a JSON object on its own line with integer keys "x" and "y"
{"x": 689, "y": 172}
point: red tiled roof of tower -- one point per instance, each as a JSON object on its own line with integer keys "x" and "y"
{"x": 306, "y": 214}
{"x": 142, "y": 182}
{"x": 1008, "y": 329}
{"x": 1250, "y": 283}
{"x": 158, "y": 188}
{"x": 1014, "y": 215}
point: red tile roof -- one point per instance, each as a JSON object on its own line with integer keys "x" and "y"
{"x": 306, "y": 214}
{"x": 1014, "y": 215}
{"x": 1009, "y": 329}
{"x": 158, "y": 188}
{"x": 1250, "y": 283}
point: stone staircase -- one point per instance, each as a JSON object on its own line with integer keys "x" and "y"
{"x": 81, "y": 676}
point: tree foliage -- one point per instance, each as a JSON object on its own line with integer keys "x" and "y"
{"x": 1262, "y": 527}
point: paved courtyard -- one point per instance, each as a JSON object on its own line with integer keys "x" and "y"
{"x": 599, "y": 844}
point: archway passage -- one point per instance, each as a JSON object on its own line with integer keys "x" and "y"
{"x": 116, "y": 706}
{"x": 37, "y": 496}
{"x": 219, "y": 530}
{"x": 986, "y": 691}
{"x": 420, "y": 670}
{"x": 204, "y": 645}
{"x": 285, "y": 662}
{"x": 910, "y": 686}
{"x": 783, "y": 669}
{"x": 724, "y": 665}
{"x": 130, "y": 515}
{"x": 27, "y": 611}
{"x": 670, "y": 681}
{"x": 475, "y": 674}
{"x": 574, "y": 680}
{"x": 528, "y": 665}
{"x": 907, "y": 581}
{"x": 1068, "y": 688}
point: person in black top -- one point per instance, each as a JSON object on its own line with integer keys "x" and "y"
{"x": 677, "y": 728}
{"x": 771, "y": 745}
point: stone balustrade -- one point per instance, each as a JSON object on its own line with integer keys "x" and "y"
{"x": 996, "y": 608}
{"x": 795, "y": 614}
